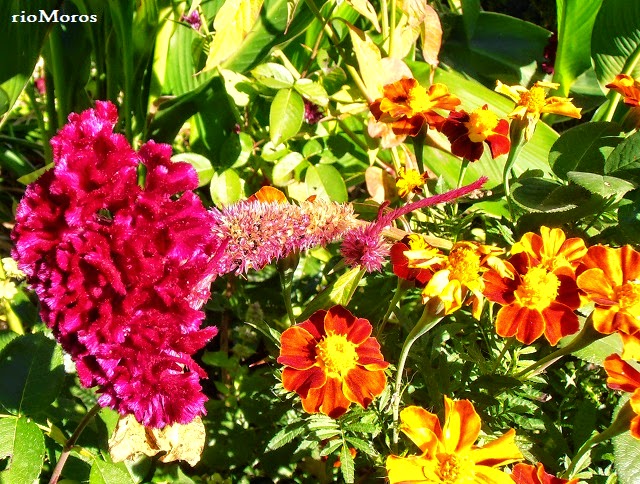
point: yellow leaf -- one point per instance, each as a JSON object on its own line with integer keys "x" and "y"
{"x": 369, "y": 61}
{"x": 178, "y": 442}
{"x": 364, "y": 8}
{"x": 422, "y": 17}
{"x": 233, "y": 22}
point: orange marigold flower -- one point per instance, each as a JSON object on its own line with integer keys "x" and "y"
{"x": 407, "y": 106}
{"x": 534, "y": 300}
{"x": 415, "y": 246}
{"x": 448, "y": 454}
{"x": 409, "y": 181}
{"x": 457, "y": 278}
{"x": 628, "y": 87}
{"x": 612, "y": 281}
{"x": 331, "y": 361}
{"x": 531, "y": 103}
{"x": 551, "y": 248}
{"x": 623, "y": 376}
{"x": 526, "y": 474}
{"x": 468, "y": 131}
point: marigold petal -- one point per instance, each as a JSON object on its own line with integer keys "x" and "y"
{"x": 562, "y": 106}
{"x": 559, "y": 321}
{"x": 568, "y": 293}
{"x": 327, "y": 399}
{"x": 359, "y": 331}
{"x": 603, "y": 319}
{"x": 630, "y": 263}
{"x": 362, "y": 386}
{"x": 530, "y": 326}
{"x": 423, "y": 428}
{"x": 440, "y": 93}
{"x": 597, "y": 286}
{"x": 634, "y": 427}
{"x": 489, "y": 475}
{"x": 499, "y": 144}
{"x": 461, "y": 425}
{"x": 498, "y": 452}
{"x": 507, "y": 320}
{"x": 369, "y": 355}
{"x": 338, "y": 320}
{"x": 606, "y": 259}
{"x": 631, "y": 346}
{"x": 268, "y": 194}
{"x": 499, "y": 289}
{"x": 510, "y": 91}
{"x": 408, "y": 469}
{"x": 315, "y": 324}
{"x": 621, "y": 375}
{"x": 298, "y": 348}
{"x": 467, "y": 149}
{"x": 408, "y": 126}
{"x": 525, "y": 474}
{"x": 302, "y": 381}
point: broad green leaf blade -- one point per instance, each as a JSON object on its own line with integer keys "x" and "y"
{"x": 629, "y": 218}
{"x": 326, "y": 182}
{"x": 597, "y": 351}
{"x": 615, "y": 43}
{"x": 542, "y": 195}
{"x": 23, "y": 443}
{"x": 575, "y": 25}
{"x": 31, "y": 374}
{"x": 312, "y": 91}
{"x": 284, "y": 168}
{"x": 274, "y": 76}
{"x": 226, "y": 188}
{"x": 200, "y": 164}
{"x": 605, "y": 186}
{"x": 338, "y": 292}
{"x": 286, "y": 115}
{"x": 108, "y": 473}
{"x": 584, "y": 148}
{"x": 626, "y": 450}
{"x": 624, "y": 161}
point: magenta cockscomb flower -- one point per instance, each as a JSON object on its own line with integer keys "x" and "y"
{"x": 193, "y": 19}
{"x": 257, "y": 232}
{"x": 121, "y": 270}
{"x": 366, "y": 246}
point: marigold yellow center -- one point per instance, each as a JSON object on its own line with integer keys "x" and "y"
{"x": 417, "y": 242}
{"x": 455, "y": 469}
{"x": 628, "y": 295}
{"x": 419, "y": 100}
{"x": 464, "y": 265}
{"x": 538, "y": 289}
{"x": 481, "y": 125}
{"x": 534, "y": 100}
{"x": 408, "y": 181}
{"x": 336, "y": 354}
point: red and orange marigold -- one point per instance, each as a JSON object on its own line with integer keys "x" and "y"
{"x": 622, "y": 376}
{"x": 332, "y": 361}
{"x": 628, "y": 87}
{"x": 527, "y": 474}
{"x": 552, "y": 248}
{"x": 612, "y": 281}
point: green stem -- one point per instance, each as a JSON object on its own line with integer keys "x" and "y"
{"x": 505, "y": 348}
{"x": 286, "y": 269}
{"x": 619, "y": 425}
{"x": 400, "y": 290}
{"x": 428, "y": 320}
{"x": 587, "y": 336}
{"x": 57, "y": 69}
{"x": 384, "y": 6}
{"x": 66, "y": 450}
{"x": 48, "y": 153}
{"x": 360, "y": 143}
{"x": 463, "y": 170}
{"x": 392, "y": 33}
{"x": 418, "y": 148}
{"x": 517, "y": 135}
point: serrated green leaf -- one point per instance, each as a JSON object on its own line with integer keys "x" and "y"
{"x": 286, "y": 115}
{"x": 597, "y": 351}
{"x": 200, "y": 163}
{"x": 326, "y": 182}
{"x": 331, "y": 447}
{"x": 362, "y": 445}
{"x": 605, "y": 186}
{"x": 283, "y": 169}
{"x": 286, "y": 435}
{"x": 624, "y": 160}
{"x": 361, "y": 427}
{"x": 347, "y": 466}
{"x": 584, "y": 148}
{"x": 272, "y": 334}
{"x": 542, "y": 195}
{"x": 274, "y": 76}
{"x": 108, "y": 473}
{"x": 338, "y": 292}
{"x": 226, "y": 188}
{"x": 23, "y": 443}
{"x": 312, "y": 91}
{"x": 33, "y": 176}
{"x": 31, "y": 374}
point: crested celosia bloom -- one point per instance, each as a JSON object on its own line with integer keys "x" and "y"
{"x": 121, "y": 270}
{"x": 551, "y": 248}
{"x": 407, "y": 106}
{"x": 457, "y": 278}
{"x": 534, "y": 300}
{"x": 532, "y": 103}
{"x": 611, "y": 280}
{"x": 365, "y": 246}
{"x": 332, "y": 361}
{"x": 467, "y": 133}
{"x": 193, "y": 19}
{"x": 623, "y": 376}
{"x": 409, "y": 181}
{"x": 628, "y": 87}
{"x": 527, "y": 474}
{"x": 410, "y": 245}
{"x": 266, "y": 227}
{"x": 448, "y": 452}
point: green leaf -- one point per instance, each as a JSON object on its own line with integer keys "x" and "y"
{"x": 34, "y": 175}
{"x": 236, "y": 150}
{"x": 362, "y": 445}
{"x": 542, "y": 195}
{"x": 108, "y": 473}
{"x": 31, "y": 374}
{"x": 584, "y": 148}
{"x": 201, "y": 164}
{"x": 597, "y": 351}
{"x": 6, "y": 336}
{"x": 284, "y": 168}
{"x": 347, "y": 466}
{"x": 312, "y": 91}
{"x": 286, "y": 435}
{"x": 626, "y": 450}
{"x": 274, "y": 76}
{"x": 629, "y": 217}
{"x": 23, "y": 443}
{"x": 271, "y": 334}
{"x": 615, "y": 43}
{"x": 605, "y": 186}
{"x": 470, "y": 12}
{"x": 575, "y": 25}
{"x": 226, "y": 188}
{"x": 624, "y": 161}
{"x": 325, "y": 180}
{"x": 331, "y": 447}
{"x": 338, "y": 292}
{"x": 286, "y": 115}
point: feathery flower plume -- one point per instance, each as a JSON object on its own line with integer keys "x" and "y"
{"x": 121, "y": 270}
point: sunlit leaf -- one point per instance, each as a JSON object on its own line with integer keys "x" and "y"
{"x": 364, "y": 8}
{"x": 200, "y": 163}
{"x": 338, "y": 292}
{"x": 369, "y": 61}
{"x": 226, "y": 188}
{"x": 286, "y": 115}
{"x": 22, "y": 442}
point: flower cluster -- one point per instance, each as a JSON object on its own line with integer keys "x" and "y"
{"x": 121, "y": 268}
{"x": 623, "y": 376}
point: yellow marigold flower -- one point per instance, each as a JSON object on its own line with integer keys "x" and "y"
{"x": 531, "y": 103}
{"x": 628, "y": 87}
{"x": 458, "y": 277}
{"x": 409, "y": 181}
{"x": 448, "y": 454}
